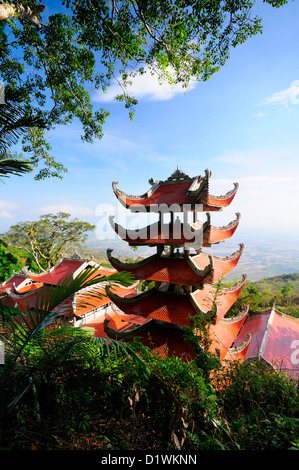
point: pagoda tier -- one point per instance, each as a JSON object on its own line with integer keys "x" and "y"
{"x": 181, "y": 268}
{"x": 178, "y": 234}
{"x": 224, "y": 332}
{"x": 206, "y": 297}
{"x": 177, "y": 308}
{"x": 162, "y": 338}
{"x": 179, "y": 189}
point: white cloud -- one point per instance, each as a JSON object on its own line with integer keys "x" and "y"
{"x": 8, "y": 205}
{"x": 284, "y": 97}
{"x": 5, "y": 206}
{"x": 265, "y": 202}
{"x": 5, "y": 215}
{"x": 264, "y": 159}
{"x": 146, "y": 86}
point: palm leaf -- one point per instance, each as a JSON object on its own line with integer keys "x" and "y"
{"x": 14, "y": 166}
{"x": 51, "y": 303}
{"x": 14, "y": 121}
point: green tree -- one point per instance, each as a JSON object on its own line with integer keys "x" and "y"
{"x": 51, "y": 62}
{"x": 8, "y": 262}
{"x": 46, "y": 238}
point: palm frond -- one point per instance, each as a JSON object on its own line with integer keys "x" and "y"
{"x": 14, "y": 166}
{"x": 14, "y": 121}
{"x": 51, "y": 303}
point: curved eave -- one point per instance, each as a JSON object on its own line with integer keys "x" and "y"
{"x": 225, "y": 200}
{"x": 205, "y": 298}
{"x": 219, "y": 234}
{"x": 223, "y": 266}
{"x": 128, "y": 332}
{"x": 195, "y": 235}
{"x": 224, "y": 333}
{"x": 152, "y": 304}
{"x": 239, "y": 353}
{"x": 185, "y": 191}
{"x": 155, "y": 234}
{"x": 166, "y": 269}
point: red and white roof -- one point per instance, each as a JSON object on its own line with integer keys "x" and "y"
{"x": 179, "y": 189}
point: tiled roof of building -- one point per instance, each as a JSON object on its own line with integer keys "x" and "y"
{"x": 181, "y": 268}
{"x": 62, "y": 270}
{"x": 15, "y": 280}
{"x": 175, "y": 270}
{"x": 195, "y": 235}
{"x": 209, "y": 297}
{"x": 274, "y": 338}
{"x": 164, "y": 306}
{"x": 179, "y": 189}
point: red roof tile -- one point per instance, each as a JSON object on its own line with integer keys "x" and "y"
{"x": 164, "y": 306}
{"x": 179, "y": 189}
{"x": 175, "y": 270}
{"x": 205, "y": 297}
{"x": 224, "y": 333}
{"x": 275, "y": 338}
{"x": 58, "y": 273}
{"x": 14, "y": 280}
{"x": 178, "y": 234}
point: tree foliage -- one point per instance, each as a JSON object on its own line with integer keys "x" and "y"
{"x": 52, "y": 61}
{"x": 45, "y": 238}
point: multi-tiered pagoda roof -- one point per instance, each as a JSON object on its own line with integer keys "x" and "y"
{"x": 184, "y": 276}
{"x": 179, "y": 189}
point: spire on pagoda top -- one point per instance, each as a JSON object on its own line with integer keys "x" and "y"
{"x": 180, "y": 189}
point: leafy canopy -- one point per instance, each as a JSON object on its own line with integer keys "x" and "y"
{"x": 45, "y": 239}
{"x": 53, "y": 63}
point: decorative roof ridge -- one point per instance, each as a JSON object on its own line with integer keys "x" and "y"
{"x": 233, "y": 256}
{"x": 116, "y": 226}
{"x": 22, "y": 273}
{"x": 136, "y": 264}
{"x": 243, "y": 345}
{"x": 236, "y": 286}
{"x": 177, "y": 176}
{"x": 228, "y": 194}
{"x": 113, "y": 333}
{"x": 267, "y": 331}
{"x": 22, "y": 295}
{"x": 191, "y": 263}
{"x": 243, "y": 313}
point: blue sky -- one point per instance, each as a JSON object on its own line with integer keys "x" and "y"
{"x": 242, "y": 125}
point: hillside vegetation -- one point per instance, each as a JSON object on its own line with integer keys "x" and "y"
{"x": 60, "y": 389}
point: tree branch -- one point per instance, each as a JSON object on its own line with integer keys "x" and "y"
{"x": 9, "y": 10}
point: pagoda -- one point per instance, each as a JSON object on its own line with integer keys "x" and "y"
{"x": 184, "y": 278}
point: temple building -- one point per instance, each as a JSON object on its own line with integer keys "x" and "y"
{"x": 24, "y": 290}
{"x": 181, "y": 280}
{"x": 184, "y": 278}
